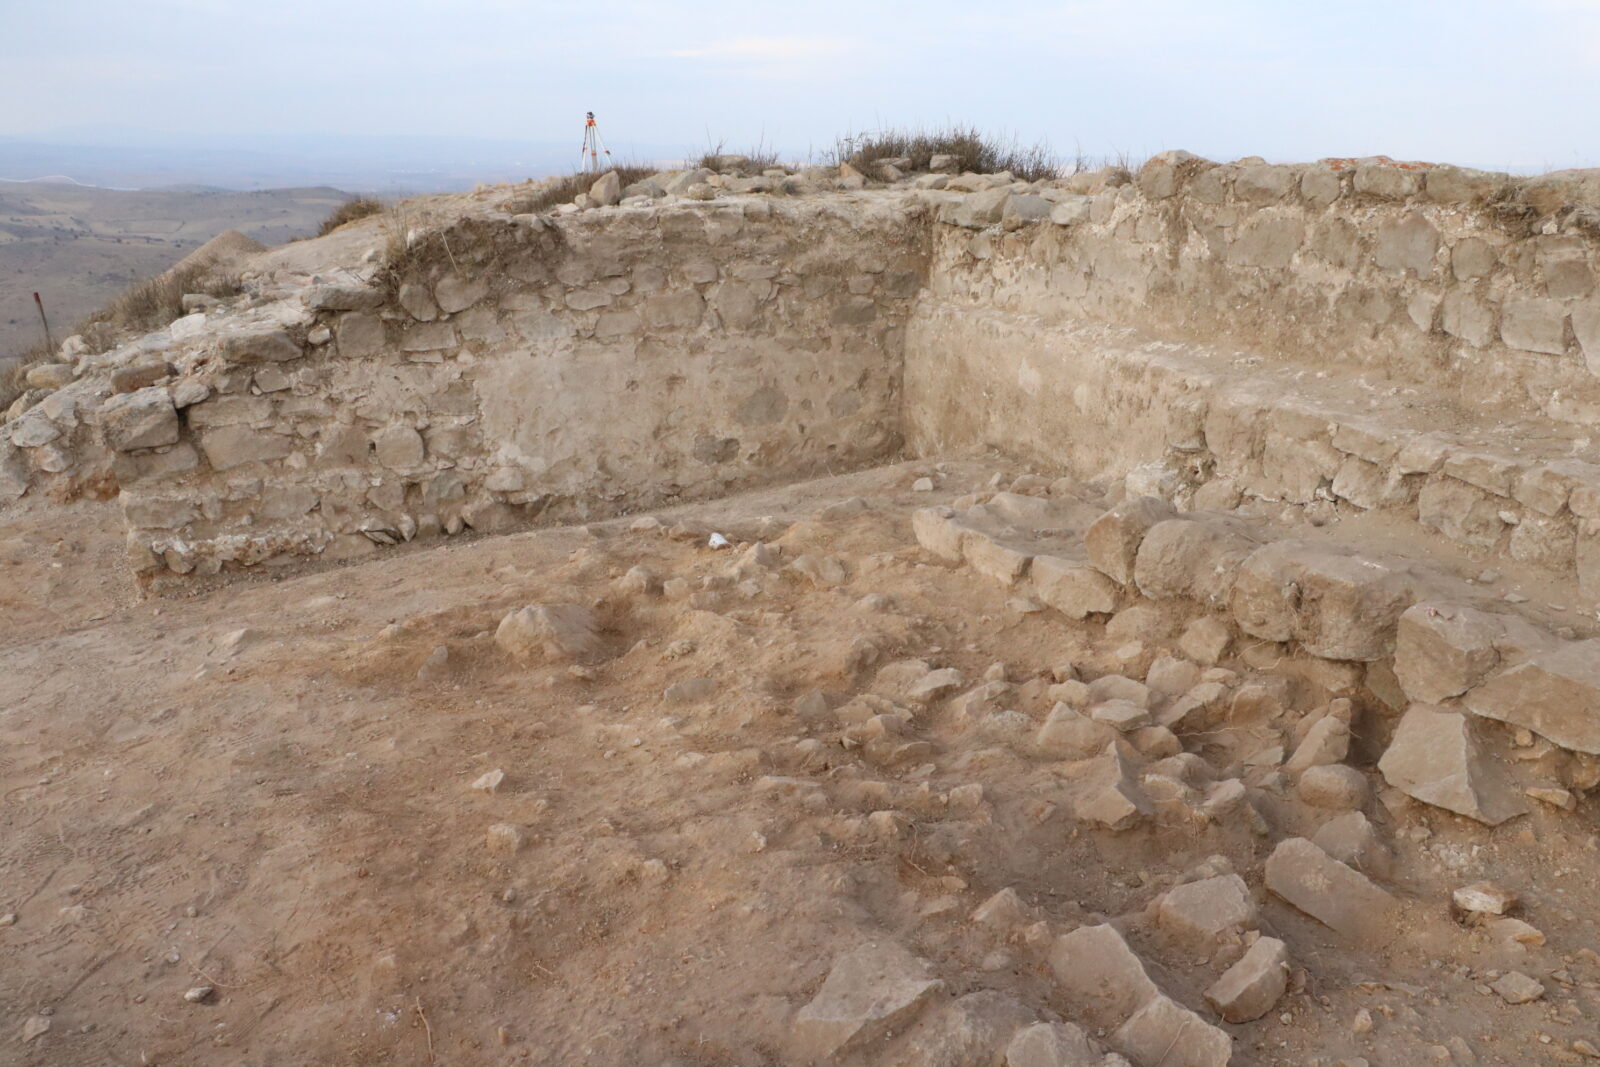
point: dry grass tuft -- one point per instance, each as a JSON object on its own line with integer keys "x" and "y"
{"x": 553, "y": 191}
{"x": 156, "y": 302}
{"x": 974, "y": 151}
{"x": 761, "y": 157}
{"x": 348, "y": 212}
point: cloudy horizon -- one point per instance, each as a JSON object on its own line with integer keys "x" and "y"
{"x": 1500, "y": 85}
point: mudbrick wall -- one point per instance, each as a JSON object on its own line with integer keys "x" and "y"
{"x": 529, "y": 369}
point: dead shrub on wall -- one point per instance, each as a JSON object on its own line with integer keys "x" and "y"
{"x": 973, "y": 150}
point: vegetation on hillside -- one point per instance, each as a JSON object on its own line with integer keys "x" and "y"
{"x": 973, "y": 151}
{"x": 348, "y": 212}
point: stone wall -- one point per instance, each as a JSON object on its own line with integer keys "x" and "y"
{"x": 1346, "y": 335}
{"x": 528, "y": 369}
{"x": 1366, "y": 336}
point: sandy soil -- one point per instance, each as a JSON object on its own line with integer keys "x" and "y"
{"x": 263, "y": 789}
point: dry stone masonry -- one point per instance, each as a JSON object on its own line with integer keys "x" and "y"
{"x": 1343, "y": 337}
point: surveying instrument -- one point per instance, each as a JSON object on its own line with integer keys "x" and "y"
{"x": 593, "y": 145}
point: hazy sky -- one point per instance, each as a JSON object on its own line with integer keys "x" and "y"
{"x": 1504, "y": 83}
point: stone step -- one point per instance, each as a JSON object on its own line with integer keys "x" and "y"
{"x": 1209, "y": 428}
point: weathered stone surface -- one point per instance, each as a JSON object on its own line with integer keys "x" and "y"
{"x": 1554, "y": 693}
{"x": 1106, "y": 791}
{"x": 1387, "y": 181}
{"x": 1100, "y": 976}
{"x": 1069, "y": 734}
{"x": 417, "y": 301}
{"x": 14, "y": 479}
{"x": 1198, "y": 560}
{"x": 682, "y": 308}
{"x": 1443, "y": 650}
{"x": 398, "y": 447}
{"x": 974, "y": 1029}
{"x": 1409, "y": 244}
{"x": 359, "y": 335}
{"x": 1249, "y": 989}
{"x": 869, "y": 992}
{"x": 1053, "y": 1045}
{"x": 1586, "y": 325}
{"x": 455, "y": 293}
{"x": 139, "y": 376}
{"x": 1534, "y": 325}
{"x": 1074, "y": 589}
{"x": 607, "y": 191}
{"x": 1336, "y": 605}
{"x": 144, "y": 418}
{"x": 1206, "y": 640}
{"x": 1335, "y": 787}
{"x": 1024, "y": 208}
{"x": 1468, "y": 317}
{"x": 1326, "y": 742}
{"x": 1165, "y": 1032}
{"x": 551, "y": 631}
{"x": 994, "y": 560}
{"x": 328, "y": 296}
{"x": 429, "y": 337}
{"x": 1330, "y": 892}
{"x": 1461, "y": 512}
{"x": 1202, "y": 914}
{"x": 271, "y": 346}
{"x": 1435, "y": 756}
{"x": 1113, "y": 540}
{"x": 226, "y": 447}
{"x": 1352, "y": 840}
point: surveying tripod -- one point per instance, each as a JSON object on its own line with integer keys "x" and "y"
{"x": 593, "y": 145}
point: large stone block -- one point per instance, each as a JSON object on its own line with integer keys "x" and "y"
{"x": 1534, "y": 324}
{"x": 973, "y": 1029}
{"x": 1100, "y": 976}
{"x": 1468, "y": 317}
{"x": 144, "y": 418}
{"x": 359, "y": 335}
{"x": 399, "y": 447}
{"x": 455, "y": 293}
{"x": 1204, "y": 913}
{"x": 1074, "y": 589}
{"x": 1184, "y": 558}
{"x": 869, "y": 993}
{"x": 1165, "y": 1032}
{"x": 1586, "y": 325}
{"x": 269, "y": 346}
{"x": 1250, "y": 988}
{"x": 1443, "y": 650}
{"x": 677, "y": 309}
{"x": 1555, "y": 692}
{"x": 1435, "y": 757}
{"x": 1263, "y": 183}
{"x": 1387, "y": 181}
{"x": 227, "y": 447}
{"x": 941, "y": 532}
{"x": 1336, "y": 605}
{"x": 1461, "y": 512}
{"x": 1330, "y": 892}
{"x": 14, "y": 478}
{"x": 1112, "y": 541}
{"x": 1267, "y": 241}
{"x": 1408, "y": 244}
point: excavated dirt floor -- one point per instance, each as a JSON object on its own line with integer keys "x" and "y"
{"x": 264, "y": 793}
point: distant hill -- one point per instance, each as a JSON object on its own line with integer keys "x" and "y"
{"x": 130, "y": 159}
{"x": 79, "y": 246}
